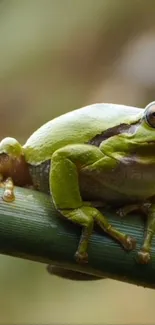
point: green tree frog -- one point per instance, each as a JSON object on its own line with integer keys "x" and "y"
{"x": 101, "y": 152}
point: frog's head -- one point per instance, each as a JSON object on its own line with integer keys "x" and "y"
{"x": 12, "y": 161}
{"x": 134, "y": 139}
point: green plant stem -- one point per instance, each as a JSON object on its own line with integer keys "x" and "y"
{"x": 31, "y": 228}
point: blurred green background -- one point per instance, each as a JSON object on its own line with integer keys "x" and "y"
{"x": 56, "y": 56}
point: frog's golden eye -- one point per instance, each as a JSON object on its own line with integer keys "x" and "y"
{"x": 150, "y": 114}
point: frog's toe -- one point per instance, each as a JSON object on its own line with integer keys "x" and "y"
{"x": 121, "y": 213}
{"x": 129, "y": 243}
{"x": 81, "y": 258}
{"x": 143, "y": 257}
{"x": 8, "y": 196}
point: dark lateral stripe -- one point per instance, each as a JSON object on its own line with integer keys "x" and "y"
{"x": 122, "y": 128}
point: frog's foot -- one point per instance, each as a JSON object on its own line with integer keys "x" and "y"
{"x": 81, "y": 258}
{"x": 129, "y": 243}
{"x": 8, "y": 195}
{"x": 143, "y": 257}
{"x": 121, "y": 213}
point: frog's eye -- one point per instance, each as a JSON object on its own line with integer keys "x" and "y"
{"x": 150, "y": 114}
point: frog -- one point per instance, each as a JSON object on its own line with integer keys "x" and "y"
{"x": 102, "y": 152}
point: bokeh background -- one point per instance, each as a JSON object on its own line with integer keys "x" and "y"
{"x": 56, "y": 56}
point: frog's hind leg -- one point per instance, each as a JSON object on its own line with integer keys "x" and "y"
{"x": 149, "y": 210}
{"x": 64, "y": 188}
{"x": 144, "y": 255}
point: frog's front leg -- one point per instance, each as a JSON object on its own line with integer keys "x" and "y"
{"x": 64, "y": 187}
{"x": 8, "y": 186}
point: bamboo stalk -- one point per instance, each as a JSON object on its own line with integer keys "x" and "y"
{"x": 31, "y": 228}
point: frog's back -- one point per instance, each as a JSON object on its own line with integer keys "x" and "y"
{"x": 78, "y": 126}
